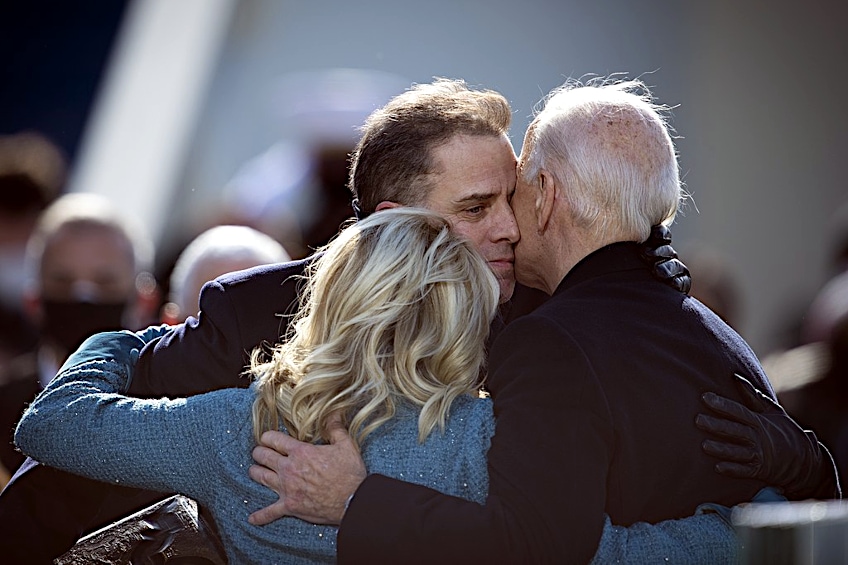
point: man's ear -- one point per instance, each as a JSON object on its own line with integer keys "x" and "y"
{"x": 545, "y": 198}
{"x": 386, "y": 205}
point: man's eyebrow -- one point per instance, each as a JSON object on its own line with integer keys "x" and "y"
{"x": 476, "y": 197}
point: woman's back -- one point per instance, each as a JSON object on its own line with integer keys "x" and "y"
{"x": 205, "y": 452}
{"x": 453, "y": 463}
{"x": 201, "y": 447}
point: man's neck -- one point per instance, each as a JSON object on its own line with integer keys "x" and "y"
{"x": 579, "y": 244}
{"x": 568, "y": 249}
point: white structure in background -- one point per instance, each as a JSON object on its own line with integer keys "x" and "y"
{"x": 134, "y": 145}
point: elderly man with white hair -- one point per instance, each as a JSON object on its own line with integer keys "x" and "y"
{"x": 595, "y": 392}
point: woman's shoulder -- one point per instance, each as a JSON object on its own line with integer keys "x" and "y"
{"x": 471, "y": 410}
{"x": 470, "y": 422}
{"x": 452, "y": 460}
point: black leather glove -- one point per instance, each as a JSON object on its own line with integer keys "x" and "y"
{"x": 658, "y": 252}
{"x": 759, "y": 440}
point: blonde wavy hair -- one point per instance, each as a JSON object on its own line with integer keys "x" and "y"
{"x": 396, "y": 308}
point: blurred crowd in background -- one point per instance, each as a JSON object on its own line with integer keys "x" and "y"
{"x": 73, "y": 263}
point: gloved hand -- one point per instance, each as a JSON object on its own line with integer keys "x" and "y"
{"x": 657, "y": 251}
{"x": 759, "y": 440}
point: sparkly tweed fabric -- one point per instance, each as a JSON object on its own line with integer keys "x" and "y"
{"x": 201, "y": 447}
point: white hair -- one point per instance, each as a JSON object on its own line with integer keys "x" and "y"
{"x": 216, "y": 251}
{"x": 609, "y": 146}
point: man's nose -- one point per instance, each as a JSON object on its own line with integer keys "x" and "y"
{"x": 506, "y": 227}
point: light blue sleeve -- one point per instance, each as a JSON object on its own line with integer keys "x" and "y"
{"x": 703, "y": 539}
{"x": 82, "y": 424}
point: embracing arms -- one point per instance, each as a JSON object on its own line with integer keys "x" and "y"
{"x": 537, "y": 510}
{"x": 756, "y": 439}
{"x": 238, "y": 312}
{"x": 317, "y": 480}
{"x": 82, "y": 423}
{"x": 44, "y": 510}
{"x": 750, "y": 441}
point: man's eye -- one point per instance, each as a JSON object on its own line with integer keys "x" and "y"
{"x": 474, "y": 210}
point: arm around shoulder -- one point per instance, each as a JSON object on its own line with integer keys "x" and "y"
{"x": 238, "y": 312}
{"x": 534, "y": 512}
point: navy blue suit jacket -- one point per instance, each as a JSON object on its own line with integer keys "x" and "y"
{"x": 238, "y": 312}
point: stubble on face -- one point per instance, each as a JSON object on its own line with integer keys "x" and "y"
{"x": 475, "y": 179}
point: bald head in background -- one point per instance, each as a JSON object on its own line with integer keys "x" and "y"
{"x": 218, "y": 250}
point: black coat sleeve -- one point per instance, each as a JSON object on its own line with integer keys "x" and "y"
{"x": 44, "y": 511}
{"x": 547, "y": 471}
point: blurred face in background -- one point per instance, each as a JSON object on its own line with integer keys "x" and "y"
{"x": 89, "y": 263}
{"x": 87, "y": 284}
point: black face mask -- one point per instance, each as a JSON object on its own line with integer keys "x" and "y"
{"x": 68, "y": 324}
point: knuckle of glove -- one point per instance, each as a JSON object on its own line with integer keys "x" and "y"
{"x": 666, "y": 269}
{"x": 660, "y": 233}
{"x": 682, "y": 283}
{"x": 664, "y": 252}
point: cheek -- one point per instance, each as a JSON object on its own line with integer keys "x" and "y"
{"x": 523, "y": 217}
{"x": 524, "y": 251}
{"x": 474, "y": 233}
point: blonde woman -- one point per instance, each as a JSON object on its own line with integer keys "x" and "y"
{"x": 387, "y": 338}
{"x": 390, "y": 338}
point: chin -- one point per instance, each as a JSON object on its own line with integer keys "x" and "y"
{"x": 523, "y": 274}
{"x": 529, "y": 282}
{"x": 507, "y": 289}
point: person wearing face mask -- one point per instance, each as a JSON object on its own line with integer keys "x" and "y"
{"x": 87, "y": 270}
{"x": 32, "y": 174}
